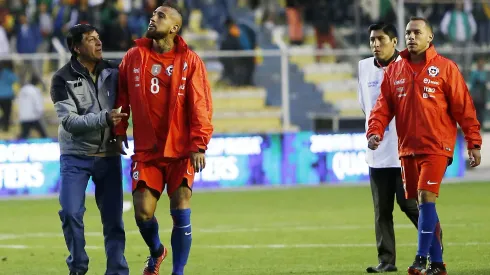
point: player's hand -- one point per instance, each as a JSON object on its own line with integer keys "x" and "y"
{"x": 115, "y": 116}
{"x": 198, "y": 161}
{"x": 119, "y": 141}
{"x": 475, "y": 157}
{"x": 373, "y": 142}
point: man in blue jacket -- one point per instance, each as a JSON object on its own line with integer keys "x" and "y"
{"x": 83, "y": 93}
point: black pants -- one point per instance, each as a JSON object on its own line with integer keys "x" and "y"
{"x": 386, "y": 184}
{"x": 6, "y": 106}
{"x": 26, "y": 127}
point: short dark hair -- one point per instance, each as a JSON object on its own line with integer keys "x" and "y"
{"x": 172, "y": 5}
{"x": 427, "y": 23}
{"x": 176, "y": 7}
{"x": 75, "y": 36}
{"x": 387, "y": 28}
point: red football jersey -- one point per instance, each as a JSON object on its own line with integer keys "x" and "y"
{"x": 158, "y": 72}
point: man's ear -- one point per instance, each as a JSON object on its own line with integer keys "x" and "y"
{"x": 431, "y": 37}
{"x": 395, "y": 41}
{"x": 175, "y": 29}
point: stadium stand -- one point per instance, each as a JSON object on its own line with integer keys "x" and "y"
{"x": 322, "y": 93}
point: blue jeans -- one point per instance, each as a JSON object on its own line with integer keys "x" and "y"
{"x": 106, "y": 173}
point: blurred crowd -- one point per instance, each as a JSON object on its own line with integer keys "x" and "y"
{"x": 28, "y": 26}
{"x": 458, "y": 21}
{"x": 32, "y": 23}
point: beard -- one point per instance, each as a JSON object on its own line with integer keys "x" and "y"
{"x": 155, "y": 35}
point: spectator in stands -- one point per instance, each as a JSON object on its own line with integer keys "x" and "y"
{"x": 28, "y": 36}
{"x": 270, "y": 12}
{"x": 478, "y": 89}
{"x": 95, "y": 7}
{"x": 26, "y": 7}
{"x": 323, "y": 19}
{"x": 482, "y": 17}
{"x": 424, "y": 9}
{"x": 118, "y": 37}
{"x": 138, "y": 23}
{"x": 214, "y": 12}
{"x": 4, "y": 11}
{"x": 6, "y": 18}
{"x": 108, "y": 14}
{"x": 84, "y": 14}
{"x": 238, "y": 71}
{"x": 7, "y": 79}
{"x": 294, "y": 10}
{"x": 459, "y": 26}
{"x": 64, "y": 17}
{"x": 31, "y": 109}
{"x": 4, "y": 42}
{"x": 45, "y": 21}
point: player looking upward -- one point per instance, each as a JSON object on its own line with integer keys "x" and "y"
{"x": 165, "y": 84}
{"x": 428, "y": 95}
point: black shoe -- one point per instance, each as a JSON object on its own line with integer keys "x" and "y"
{"x": 437, "y": 269}
{"x": 419, "y": 266}
{"x": 381, "y": 268}
{"x": 77, "y": 273}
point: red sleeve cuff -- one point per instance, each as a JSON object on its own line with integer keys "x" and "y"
{"x": 474, "y": 146}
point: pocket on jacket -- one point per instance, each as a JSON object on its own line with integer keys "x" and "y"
{"x": 82, "y": 94}
{"x": 83, "y": 97}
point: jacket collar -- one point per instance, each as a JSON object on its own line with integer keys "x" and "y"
{"x": 379, "y": 64}
{"x": 77, "y": 67}
{"x": 180, "y": 44}
{"x": 430, "y": 53}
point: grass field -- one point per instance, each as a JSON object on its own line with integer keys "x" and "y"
{"x": 312, "y": 230}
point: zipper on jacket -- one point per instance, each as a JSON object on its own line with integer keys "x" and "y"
{"x": 414, "y": 77}
{"x": 98, "y": 102}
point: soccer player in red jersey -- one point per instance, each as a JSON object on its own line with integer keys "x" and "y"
{"x": 165, "y": 85}
{"x": 427, "y": 94}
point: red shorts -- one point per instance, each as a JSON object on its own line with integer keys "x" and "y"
{"x": 158, "y": 174}
{"x": 423, "y": 172}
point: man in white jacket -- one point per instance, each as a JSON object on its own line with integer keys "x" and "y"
{"x": 31, "y": 109}
{"x": 384, "y": 164}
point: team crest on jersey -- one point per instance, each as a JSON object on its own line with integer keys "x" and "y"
{"x": 156, "y": 69}
{"x": 433, "y": 71}
{"x": 169, "y": 70}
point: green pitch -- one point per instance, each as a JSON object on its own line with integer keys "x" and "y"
{"x": 311, "y": 230}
